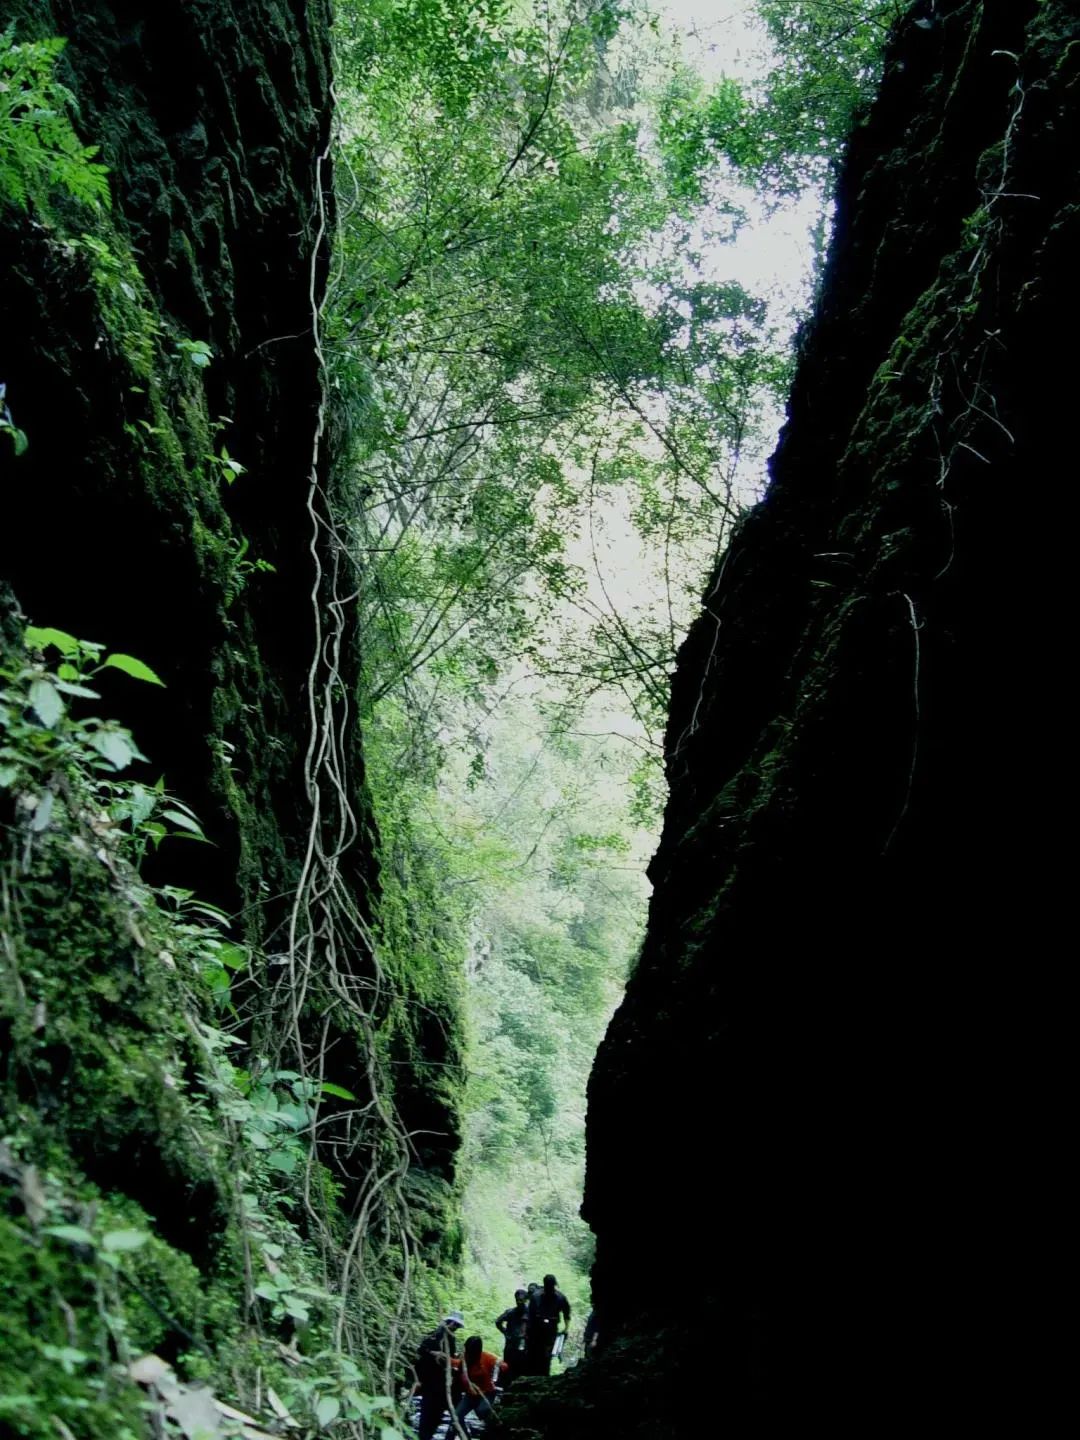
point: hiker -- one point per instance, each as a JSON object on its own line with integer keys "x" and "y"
{"x": 477, "y": 1374}
{"x": 545, "y": 1307}
{"x": 513, "y": 1326}
{"x": 533, "y": 1288}
{"x": 434, "y": 1357}
{"x": 590, "y": 1341}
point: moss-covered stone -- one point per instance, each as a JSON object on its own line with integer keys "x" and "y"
{"x": 211, "y": 118}
{"x": 125, "y": 524}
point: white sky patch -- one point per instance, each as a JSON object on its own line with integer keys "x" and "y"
{"x": 721, "y": 38}
{"x": 773, "y": 253}
{"x": 771, "y": 257}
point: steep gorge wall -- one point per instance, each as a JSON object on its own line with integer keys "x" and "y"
{"x": 823, "y": 1126}
{"x": 118, "y": 526}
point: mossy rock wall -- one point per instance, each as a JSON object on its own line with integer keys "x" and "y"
{"x": 823, "y": 1126}
{"x": 123, "y": 524}
{"x": 118, "y": 527}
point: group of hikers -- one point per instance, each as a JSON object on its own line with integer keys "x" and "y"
{"x": 530, "y": 1330}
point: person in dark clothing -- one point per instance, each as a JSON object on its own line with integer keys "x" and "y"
{"x": 513, "y": 1325}
{"x": 545, "y": 1308}
{"x": 590, "y": 1341}
{"x": 432, "y": 1366}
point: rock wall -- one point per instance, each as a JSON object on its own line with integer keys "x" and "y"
{"x": 823, "y": 1127}
{"x": 119, "y": 524}
{"x": 125, "y": 523}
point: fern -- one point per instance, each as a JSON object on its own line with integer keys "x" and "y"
{"x": 40, "y": 152}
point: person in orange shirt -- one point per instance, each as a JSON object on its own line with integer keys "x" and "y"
{"x": 477, "y": 1372}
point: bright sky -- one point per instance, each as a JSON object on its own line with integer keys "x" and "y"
{"x": 771, "y": 258}
{"x": 723, "y": 38}
{"x": 719, "y": 37}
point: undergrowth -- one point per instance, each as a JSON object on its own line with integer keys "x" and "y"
{"x": 152, "y": 1237}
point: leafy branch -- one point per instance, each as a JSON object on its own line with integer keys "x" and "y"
{"x": 40, "y": 152}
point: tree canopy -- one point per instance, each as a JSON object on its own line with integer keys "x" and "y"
{"x": 544, "y": 379}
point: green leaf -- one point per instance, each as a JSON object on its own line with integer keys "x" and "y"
{"x": 45, "y": 698}
{"x": 284, "y": 1161}
{"x": 185, "y": 822}
{"x": 296, "y": 1308}
{"x": 328, "y": 1409}
{"x": 10, "y": 1403}
{"x": 117, "y": 1240}
{"x": 197, "y": 351}
{"x": 76, "y": 1234}
{"x": 338, "y": 1091}
{"x": 114, "y": 745}
{"x": 233, "y": 957}
{"x": 67, "y": 688}
{"x": 140, "y": 805}
{"x": 135, "y": 668}
{"x": 39, "y": 637}
{"x": 367, "y": 1405}
{"x": 213, "y": 913}
{"x": 67, "y": 1355}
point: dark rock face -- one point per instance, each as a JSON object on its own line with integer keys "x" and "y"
{"x": 118, "y": 524}
{"x": 821, "y": 1123}
{"x": 122, "y": 524}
